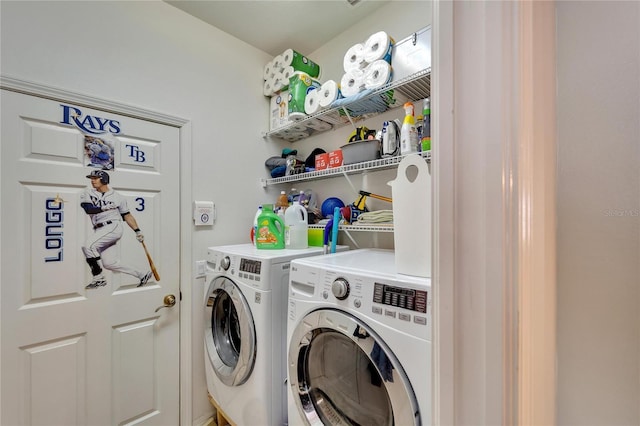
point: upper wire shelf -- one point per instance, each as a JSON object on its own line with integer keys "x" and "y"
{"x": 411, "y": 88}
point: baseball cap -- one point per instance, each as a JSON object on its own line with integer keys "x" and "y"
{"x": 99, "y": 174}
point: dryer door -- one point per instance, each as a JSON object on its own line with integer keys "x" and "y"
{"x": 230, "y": 335}
{"x": 342, "y": 373}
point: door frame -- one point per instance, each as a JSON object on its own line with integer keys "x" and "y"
{"x": 521, "y": 279}
{"x": 184, "y": 126}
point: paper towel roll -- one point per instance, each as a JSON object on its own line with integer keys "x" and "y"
{"x": 300, "y": 62}
{"x": 377, "y": 74}
{"x": 300, "y": 83}
{"x": 312, "y": 102}
{"x": 329, "y": 92}
{"x": 298, "y": 128}
{"x": 378, "y": 46}
{"x": 352, "y": 83}
{"x": 354, "y": 58}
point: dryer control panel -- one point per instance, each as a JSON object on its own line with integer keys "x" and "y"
{"x": 406, "y": 298}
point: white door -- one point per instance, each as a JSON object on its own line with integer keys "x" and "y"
{"x": 73, "y": 355}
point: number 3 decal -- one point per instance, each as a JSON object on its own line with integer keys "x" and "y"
{"x": 140, "y": 206}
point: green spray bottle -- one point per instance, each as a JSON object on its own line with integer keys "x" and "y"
{"x": 425, "y": 143}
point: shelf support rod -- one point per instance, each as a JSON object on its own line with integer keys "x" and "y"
{"x": 348, "y": 234}
{"x": 346, "y": 176}
{"x": 349, "y": 117}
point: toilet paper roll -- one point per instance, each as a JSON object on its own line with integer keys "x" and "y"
{"x": 354, "y": 58}
{"x": 279, "y": 83}
{"x": 378, "y": 46}
{"x": 287, "y": 72}
{"x": 277, "y": 64}
{"x": 300, "y": 62}
{"x": 318, "y": 125}
{"x": 268, "y": 71}
{"x": 295, "y": 136}
{"x": 352, "y": 83}
{"x": 329, "y": 92}
{"x": 299, "y": 128}
{"x": 267, "y": 87}
{"x": 312, "y": 102}
{"x": 377, "y": 74}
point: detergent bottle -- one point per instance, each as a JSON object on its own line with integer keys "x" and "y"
{"x": 296, "y": 226}
{"x": 270, "y": 233}
{"x": 281, "y": 204}
{"x": 408, "y": 132}
{"x": 254, "y": 230}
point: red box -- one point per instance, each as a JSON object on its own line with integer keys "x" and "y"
{"x": 322, "y": 161}
{"x": 335, "y": 158}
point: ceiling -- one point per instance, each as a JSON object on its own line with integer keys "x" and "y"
{"x": 274, "y": 26}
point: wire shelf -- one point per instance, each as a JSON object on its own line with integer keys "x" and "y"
{"x": 392, "y": 95}
{"x": 379, "y": 164}
{"x": 378, "y": 227}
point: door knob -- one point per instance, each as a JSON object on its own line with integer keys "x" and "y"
{"x": 169, "y": 301}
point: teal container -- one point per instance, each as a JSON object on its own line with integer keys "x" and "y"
{"x": 270, "y": 233}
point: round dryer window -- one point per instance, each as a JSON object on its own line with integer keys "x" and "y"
{"x": 342, "y": 373}
{"x": 230, "y": 336}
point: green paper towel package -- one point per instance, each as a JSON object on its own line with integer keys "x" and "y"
{"x": 300, "y": 84}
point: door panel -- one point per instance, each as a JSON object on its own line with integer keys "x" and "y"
{"x": 72, "y": 355}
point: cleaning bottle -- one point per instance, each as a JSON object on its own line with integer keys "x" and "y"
{"x": 296, "y": 226}
{"x": 426, "y": 126}
{"x": 254, "y": 230}
{"x": 281, "y": 204}
{"x": 408, "y": 132}
{"x": 270, "y": 233}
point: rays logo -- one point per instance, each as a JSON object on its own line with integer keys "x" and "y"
{"x": 88, "y": 123}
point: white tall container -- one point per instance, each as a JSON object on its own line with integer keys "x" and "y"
{"x": 296, "y": 227}
{"x": 411, "y": 193}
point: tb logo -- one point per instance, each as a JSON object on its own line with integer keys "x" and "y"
{"x": 136, "y": 153}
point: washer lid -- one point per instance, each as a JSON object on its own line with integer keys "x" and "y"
{"x": 230, "y": 335}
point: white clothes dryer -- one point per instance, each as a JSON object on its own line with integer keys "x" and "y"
{"x": 245, "y": 330}
{"x": 358, "y": 342}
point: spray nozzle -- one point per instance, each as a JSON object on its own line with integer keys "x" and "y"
{"x": 408, "y": 108}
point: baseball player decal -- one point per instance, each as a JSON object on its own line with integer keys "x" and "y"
{"x": 107, "y": 210}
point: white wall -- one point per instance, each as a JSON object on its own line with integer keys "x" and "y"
{"x": 151, "y": 55}
{"x": 598, "y": 213}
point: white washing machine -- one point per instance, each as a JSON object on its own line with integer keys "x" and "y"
{"x": 358, "y": 342}
{"x": 245, "y": 328}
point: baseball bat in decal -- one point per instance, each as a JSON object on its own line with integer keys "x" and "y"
{"x": 156, "y": 275}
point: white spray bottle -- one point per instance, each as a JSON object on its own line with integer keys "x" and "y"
{"x": 408, "y": 132}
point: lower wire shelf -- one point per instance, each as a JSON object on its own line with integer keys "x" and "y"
{"x": 377, "y": 227}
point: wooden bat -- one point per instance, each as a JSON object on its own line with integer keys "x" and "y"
{"x": 156, "y": 275}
